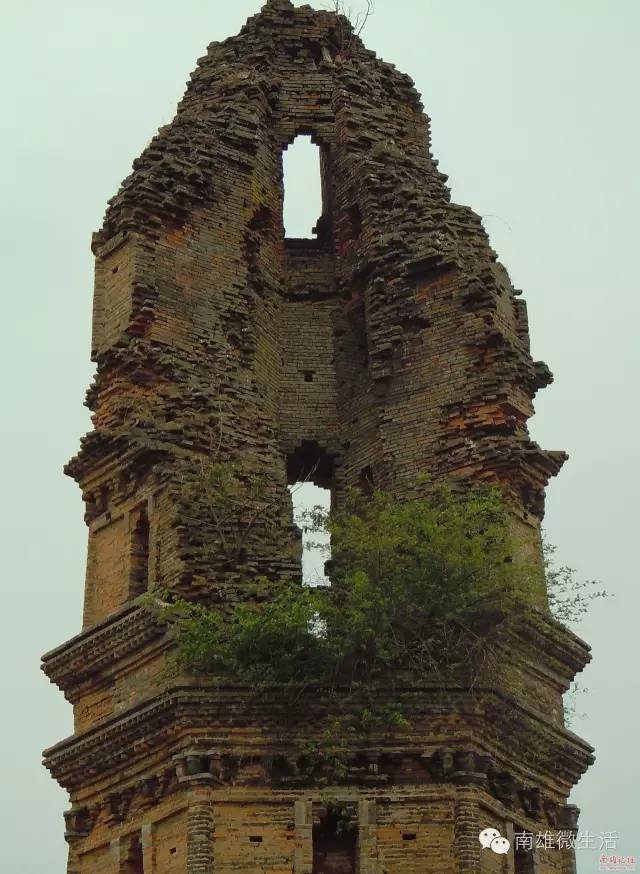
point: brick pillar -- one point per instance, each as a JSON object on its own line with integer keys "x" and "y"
{"x": 303, "y": 853}
{"x": 467, "y": 829}
{"x": 367, "y": 838}
{"x": 73, "y": 862}
{"x": 115, "y": 856}
{"x": 568, "y": 862}
{"x": 200, "y": 829}
{"x": 146, "y": 839}
{"x": 509, "y": 862}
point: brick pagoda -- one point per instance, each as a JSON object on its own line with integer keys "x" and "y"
{"x": 390, "y": 345}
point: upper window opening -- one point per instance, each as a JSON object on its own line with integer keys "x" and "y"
{"x": 366, "y": 481}
{"x": 310, "y": 463}
{"x": 302, "y": 209}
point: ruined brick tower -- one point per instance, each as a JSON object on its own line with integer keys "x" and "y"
{"x": 391, "y": 344}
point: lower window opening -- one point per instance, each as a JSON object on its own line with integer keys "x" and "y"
{"x": 308, "y": 499}
{"x": 310, "y": 474}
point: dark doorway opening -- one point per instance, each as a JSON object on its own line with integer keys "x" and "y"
{"x": 334, "y": 844}
{"x": 132, "y": 862}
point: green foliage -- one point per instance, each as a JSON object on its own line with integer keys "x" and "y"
{"x": 415, "y": 582}
{"x": 231, "y": 497}
{"x": 265, "y": 645}
{"x": 571, "y": 701}
{"x": 569, "y": 598}
{"x": 323, "y": 761}
{"x": 417, "y": 588}
{"x": 420, "y": 590}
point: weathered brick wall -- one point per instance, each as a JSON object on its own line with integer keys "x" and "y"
{"x": 107, "y": 568}
{"x": 116, "y": 570}
{"x": 417, "y": 836}
{"x": 199, "y": 830}
{"x": 395, "y": 342}
{"x": 390, "y": 346}
{"x": 168, "y": 848}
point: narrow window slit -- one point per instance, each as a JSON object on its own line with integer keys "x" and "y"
{"x": 355, "y": 219}
{"x": 139, "y": 573}
{"x": 523, "y": 858}
{"x": 366, "y": 481}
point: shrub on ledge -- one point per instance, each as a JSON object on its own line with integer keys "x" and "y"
{"x": 417, "y": 588}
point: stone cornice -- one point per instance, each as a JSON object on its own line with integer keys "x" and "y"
{"x": 101, "y": 646}
{"x": 438, "y": 772}
{"x": 227, "y": 718}
{"x": 562, "y": 650}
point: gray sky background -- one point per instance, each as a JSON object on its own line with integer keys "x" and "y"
{"x": 534, "y": 110}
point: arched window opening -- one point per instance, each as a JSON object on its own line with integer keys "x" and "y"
{"x": 303, "y": 204}
{"x": 310, "y": 463}
{"x": 310, "y": 475}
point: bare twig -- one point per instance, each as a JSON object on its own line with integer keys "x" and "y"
{"x": 357, "y": 25}
{"x": 362, "y": 18}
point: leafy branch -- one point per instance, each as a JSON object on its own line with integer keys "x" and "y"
{"x": 420, "y": 590}
{"x": 569, "y": 598}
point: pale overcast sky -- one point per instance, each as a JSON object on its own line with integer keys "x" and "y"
{"x": 534, "y": 109}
